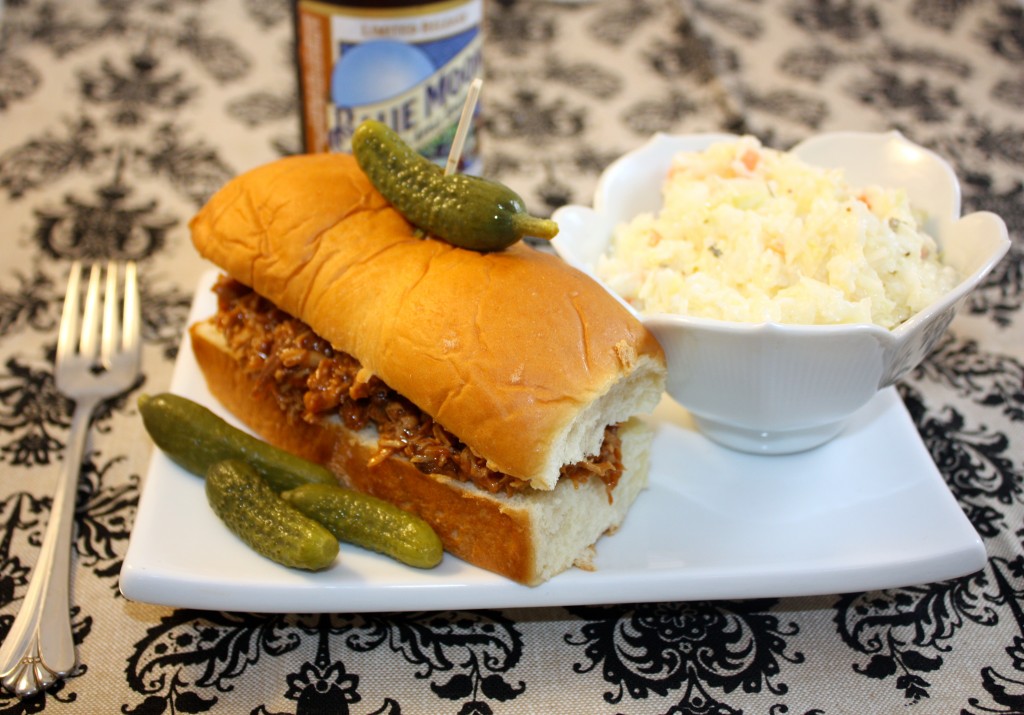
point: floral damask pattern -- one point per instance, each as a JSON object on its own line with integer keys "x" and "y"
{"x": 161, "y": 102}
{"x": 190, "y": 661}
{"x": 688, "y": 649}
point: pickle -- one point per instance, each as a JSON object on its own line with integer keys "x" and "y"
{"x": 204, "y": 444}
{"x": 466, "y": 211}
{"x": 257, "y": 515}
{"x": 369, "y": 522}
{"x": 196, "y": 439}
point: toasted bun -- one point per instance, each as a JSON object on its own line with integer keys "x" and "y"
{"x": 528, "y": 537}
{"x": 522, "y": 357}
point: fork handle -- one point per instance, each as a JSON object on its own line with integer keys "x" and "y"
{"x": 40, "y": 647}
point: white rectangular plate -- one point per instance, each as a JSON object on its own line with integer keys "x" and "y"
{"x": 869, "y": 510}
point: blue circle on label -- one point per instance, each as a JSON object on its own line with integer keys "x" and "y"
{"x": 375, "y": 71}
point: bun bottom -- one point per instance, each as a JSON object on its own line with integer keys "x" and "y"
{"x": 527, "y": 537}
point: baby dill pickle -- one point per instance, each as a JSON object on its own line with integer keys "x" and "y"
{"x": 196, "y": 439}
{"x": 369, "y": 522}
{"x": 257, "y": 515}
{"x": 466, "y": 211}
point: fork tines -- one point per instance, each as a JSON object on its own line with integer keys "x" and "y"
{"x": 100, "y": 335}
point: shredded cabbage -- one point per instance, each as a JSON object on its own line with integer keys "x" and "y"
{"x": 752, "y": 234}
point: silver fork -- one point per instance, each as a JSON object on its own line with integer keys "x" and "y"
{"x": 98, "y": 356}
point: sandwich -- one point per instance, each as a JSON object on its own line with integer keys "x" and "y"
{"x": 495, "y": 395}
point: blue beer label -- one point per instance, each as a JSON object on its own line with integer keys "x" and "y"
{"x": 410, "y": 68}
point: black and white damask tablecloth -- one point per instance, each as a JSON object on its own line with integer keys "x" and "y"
{"x": 118, "y": 118}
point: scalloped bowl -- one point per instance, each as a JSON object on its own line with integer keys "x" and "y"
{"x": 775, "y": 388}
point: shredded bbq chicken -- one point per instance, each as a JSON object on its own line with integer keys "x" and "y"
{"x": 311, "y": 381}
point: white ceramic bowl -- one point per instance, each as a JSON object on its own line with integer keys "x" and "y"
{"x": 773, "y": 388}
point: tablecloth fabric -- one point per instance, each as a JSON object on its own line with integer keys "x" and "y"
{"x": 118, "y": 119}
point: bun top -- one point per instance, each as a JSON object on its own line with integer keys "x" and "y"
{"x": 521, "y": 356}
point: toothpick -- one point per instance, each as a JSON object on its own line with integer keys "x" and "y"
{"x": 463, "y": 129}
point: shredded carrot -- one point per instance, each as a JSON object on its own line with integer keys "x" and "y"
{"x": 750, "y": 159}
